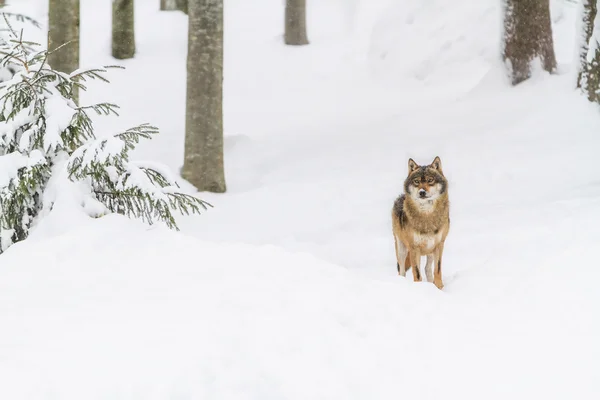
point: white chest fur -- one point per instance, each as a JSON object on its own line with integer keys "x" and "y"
{"x": 426, "y": 243}
{"x": 425, "y": 205}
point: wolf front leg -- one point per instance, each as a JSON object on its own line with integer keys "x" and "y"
{"x": 428, "y": 270}
{"x": 400, "y": 256}
{"x": 415, "y": 261}
{"x": 437, "y": 275}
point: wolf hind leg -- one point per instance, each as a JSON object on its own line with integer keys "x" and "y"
{"x": 415, "y": 261}
{"x": 406, "y": 264}
{"x": 428, "y": 269}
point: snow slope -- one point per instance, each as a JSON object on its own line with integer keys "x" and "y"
{"x": 287, "y": 289}
{"x": 114, "y": 310}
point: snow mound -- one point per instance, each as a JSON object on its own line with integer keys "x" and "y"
{"x": 439, "y": 43}
{"x": 436, "y": 41}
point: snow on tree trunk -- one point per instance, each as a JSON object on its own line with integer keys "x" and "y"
{"x": 123, "y": 32}
{"x": 63, "y": 20}
{"x": 527, "y": 37}
{"x": 295, "y": 23}
{"x": 203, "y": 159}
{"x": 589, "y": 72}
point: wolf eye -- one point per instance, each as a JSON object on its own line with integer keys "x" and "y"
{"x": 430, "y": 180}
{"x": 416, "y": 181}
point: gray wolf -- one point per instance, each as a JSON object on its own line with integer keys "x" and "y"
{"x": 421, "y": 221}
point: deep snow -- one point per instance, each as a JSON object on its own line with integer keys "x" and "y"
{"x": 288, "y": 287}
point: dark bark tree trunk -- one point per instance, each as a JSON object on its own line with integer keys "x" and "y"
{"x": 123, "y": 29}
{"x": 527, "y": 36}
{"x": 63, "y": 21}
{"x": 295, "y": 23}
{"x": 203, "y": 158}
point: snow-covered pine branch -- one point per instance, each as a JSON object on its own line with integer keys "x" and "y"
{"x": 589, "y": 71}
{"x": 43, "y": 133}
{"x": 12, "y": 46}
{"x": 21, "y": 188}
{"x": 126, "y": 187}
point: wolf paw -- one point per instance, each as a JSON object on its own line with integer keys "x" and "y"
{"x": 439, "y": 284}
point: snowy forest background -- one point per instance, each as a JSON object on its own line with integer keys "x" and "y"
{"x": 195, "y": 198}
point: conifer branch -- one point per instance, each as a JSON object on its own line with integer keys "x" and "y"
{"x": 37, "y": 139}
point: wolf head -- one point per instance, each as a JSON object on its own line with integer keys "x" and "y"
{"x": 425, "y": 183}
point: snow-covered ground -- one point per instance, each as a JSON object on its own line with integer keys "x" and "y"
{"x": 287, "y": 289}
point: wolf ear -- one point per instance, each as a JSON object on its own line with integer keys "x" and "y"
{"x": 412, "y": 165}
{"x": 437, "y": 164}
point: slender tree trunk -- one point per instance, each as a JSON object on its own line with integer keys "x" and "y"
{"x": 527, "y": 36}
{"x": 123, "y": 29}
{"x": 588, "y": 78}
{"x": 295, "y": 23}
{"x": 203, "y": 159}
{"x": 63, "y": 16}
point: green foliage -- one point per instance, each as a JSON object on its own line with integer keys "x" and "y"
{"x": 128, "y": 188}
{"x": 20, "y": 200}
{"x": 43, "y": 132}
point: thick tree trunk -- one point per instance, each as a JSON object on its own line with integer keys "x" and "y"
{"x": 203, "y": 159}
{"x": 295, "y": 23}
{"x": 182, "y": 5}
{"x": 588, "y": 78}
{"x": 168, "y": 5}
{"x": 63, "y": 20}
{"x": 527, "y": 36}
{"x": 123, "y": 32}
{"x": 174, "y": 5}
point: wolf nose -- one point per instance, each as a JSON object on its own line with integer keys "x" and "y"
{"x": 422, "y": 193}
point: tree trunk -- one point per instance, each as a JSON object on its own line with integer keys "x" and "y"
{"x": 123, "y": 29}
{"x": 295, "y": 23}
{"x": 63, "y": 21}
{"x": 174, "y": 5}
{"x": 182, "y": 5}
{"x": 203, "y": 159}
{"x": 527, "y": 37}
{"x": 168, "y": 5}
{"x": 588, "y": 78}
